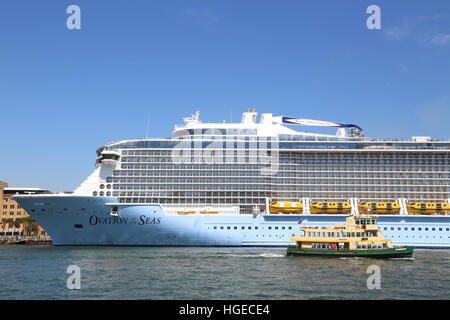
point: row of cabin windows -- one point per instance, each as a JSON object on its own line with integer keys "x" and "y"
{"x": 418, "y": 229}
{"x": 371, "y": 246}
{"x": 250, "y": 228}
{"x": 365, "y": 221}
{"x": 359, "y": 245}
{"x": 341, "y": 234}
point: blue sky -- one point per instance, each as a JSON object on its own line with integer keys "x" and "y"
{"x": 63, "y": 93}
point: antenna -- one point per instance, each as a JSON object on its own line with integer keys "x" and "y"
{"x": 146, "y": 129}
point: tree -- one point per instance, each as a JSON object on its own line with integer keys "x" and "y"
{"x": 29, "y": 225}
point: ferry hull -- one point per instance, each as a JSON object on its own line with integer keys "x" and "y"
{"x": 84, "y": 220}
{"x": 396, "y": 252}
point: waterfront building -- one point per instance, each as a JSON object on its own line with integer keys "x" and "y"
{"x": 13, "y": 217}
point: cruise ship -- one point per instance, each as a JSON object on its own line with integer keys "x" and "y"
{"x": 216, "y": 184}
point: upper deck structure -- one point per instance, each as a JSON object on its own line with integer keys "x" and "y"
{"x": 244, "y": 163}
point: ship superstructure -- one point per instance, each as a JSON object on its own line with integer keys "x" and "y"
{"x": 236, "y": 169}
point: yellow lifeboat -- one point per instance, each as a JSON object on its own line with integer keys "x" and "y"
{"x": 209, "y": 212}
{"x": 185, "y": 212}
{"x": 378, "y": 207}
{"x": 285, "y": 207}
{"x": 427, "y": 207}
{"x": 330, "y": 207}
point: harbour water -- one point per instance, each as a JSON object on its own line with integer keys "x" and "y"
{"x": 173, "y": 273}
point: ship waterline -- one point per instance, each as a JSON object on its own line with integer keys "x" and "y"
{"x": 138, "y": 186}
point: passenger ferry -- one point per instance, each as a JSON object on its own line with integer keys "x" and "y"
{"x": 360, "y": 237}
{"x": 250, "y": 180}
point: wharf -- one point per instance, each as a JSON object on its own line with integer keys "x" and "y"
{"x": 25, "y": 240}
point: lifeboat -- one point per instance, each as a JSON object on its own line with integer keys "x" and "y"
{"x": 185, "y": 212}
{"x": 285, "y": 207}
{"x": 378, "y": 207}
{"x": 330, "y": 207}
{"x": 209, "y": 212}
{"x": 427, "y": 207}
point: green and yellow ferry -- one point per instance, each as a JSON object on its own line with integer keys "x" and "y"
{"x": 360, "y": 237}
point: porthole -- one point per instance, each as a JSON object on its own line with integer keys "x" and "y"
{"x": 102, "y": 186}
{"x": 95, "y": 193}
{"x": 108, "y": 193}
{"x": 108, "y": 186}
{"x": 102, "y": 193}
